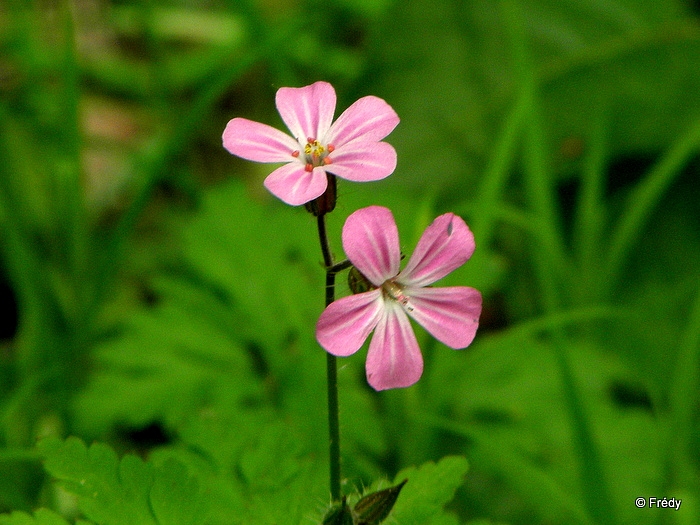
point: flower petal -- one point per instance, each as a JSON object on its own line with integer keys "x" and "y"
{"x": 371, "y": 242}
{"x": 363, "y": 161}
{"x": 394, "y": 359}
{"x": 294, "y": 185}
{"x": 369, "y": 119}
{"x": 450, "y": 314}
{"x": 258, "y": 142}
{"x": 307, "y": 111}
{"x": 444, "y": 246}
{"x": 345, "y": 324}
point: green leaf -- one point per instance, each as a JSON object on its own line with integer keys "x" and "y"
{"x": 232, "y": 321}
{"x": 283, "y": 482}
{"x": 254, "y": 468}
{"x": 40, "y": 517}
{"x": 131, "y": 491}
{"x": 264, "y": 257}
{"x": 168, "y": 361}
{"x": 430, "y": 487}
{"x": 175, "y": 497}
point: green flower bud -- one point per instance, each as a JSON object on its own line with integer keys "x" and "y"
{"x": 357, "y": 282}
{"x": 374, "y": 508}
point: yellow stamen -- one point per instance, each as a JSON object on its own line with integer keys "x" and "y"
{"x": 315, "y": 153}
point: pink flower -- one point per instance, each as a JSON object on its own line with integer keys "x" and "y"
{"x": 450, "y": 314}
{"x": 350, "y": 147}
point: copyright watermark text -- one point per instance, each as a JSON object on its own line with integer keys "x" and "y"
{"x": 660, "y": 503}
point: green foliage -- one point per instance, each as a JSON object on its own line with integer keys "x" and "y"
{"x": 625, "y": 57}
{"x": 165, "y": 491}
{"x": 158, "y": 286}
{"x": 171, "y": 489}
{"x": 251, "y": 312}
{"x": 40, "y": 517}
{"x": 160, "y": 368}
{"x": 253, "y": 468}
{"x": 129, "y": 490}
{"x": 430, "y": 487}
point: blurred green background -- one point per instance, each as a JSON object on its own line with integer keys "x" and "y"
{"x": 157, "y": 298}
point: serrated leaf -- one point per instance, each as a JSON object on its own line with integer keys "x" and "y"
{"x": 265, "y": 257}
{"x": 127, "y": 491}
{"x": 229, "y": 323}
{"x": 431, "y": 486}
{"x": 168, "y": 361}
{"x": 110, "y": 491}
{"x": 174, "y": 496}
{"x": 252, "y": 468}
{"x": 283, "y": 481}
{"x": 291, "y": 502}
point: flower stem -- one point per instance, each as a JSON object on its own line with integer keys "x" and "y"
{"x": 331, "y": 368}
{"x": 333, "y": 426}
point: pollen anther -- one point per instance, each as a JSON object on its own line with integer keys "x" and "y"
{"x": 315, "y": 154}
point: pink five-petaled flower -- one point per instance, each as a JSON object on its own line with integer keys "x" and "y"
{"x": 450, "y": 314}
{"x": 350, "y": 147}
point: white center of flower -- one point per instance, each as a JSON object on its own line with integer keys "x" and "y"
{"x": 394, "y": 291}
{"x": 315, "y": 154}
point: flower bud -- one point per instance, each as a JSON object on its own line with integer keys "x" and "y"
{"x": 374, "y": 508}
{"x": 358, "y": 283}
{"x": 326, "y": 202}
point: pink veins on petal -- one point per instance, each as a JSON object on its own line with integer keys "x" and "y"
{"x": 450, "y": 314}
{"x": 350, "y": 147}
